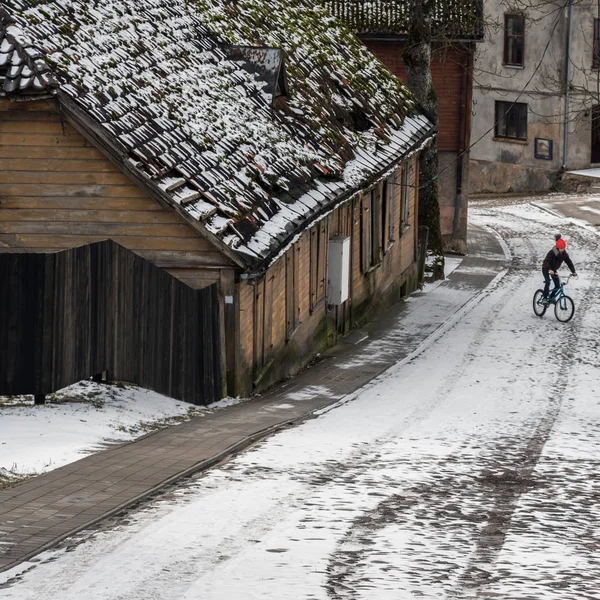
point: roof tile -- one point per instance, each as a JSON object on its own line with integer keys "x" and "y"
{"x": 202, "y": 127}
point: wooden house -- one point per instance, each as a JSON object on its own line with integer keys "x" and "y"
{"x": 264, "y": 150}
{"x": 456, "y": 28}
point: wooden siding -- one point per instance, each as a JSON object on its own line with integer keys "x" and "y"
{"x": 58, "y": 192}
{"x": 269, "y": 350}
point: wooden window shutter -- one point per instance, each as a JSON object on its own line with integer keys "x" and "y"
{"x": 385, "y": 214}
{"x": 405, "y": 195}
{"x": 376, "y": 225}
{"x": 365, "y": 224}
{"x": 322, "y": 261}
{"x": 290, "y": 292}
{"x": 259, "y": 312}
{"x": 268, "y": 318}
{"x": 314, "y": 264}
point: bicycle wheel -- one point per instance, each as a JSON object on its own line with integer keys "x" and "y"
{"x": 564, "y": 309}
{"x": 538, "y": 307}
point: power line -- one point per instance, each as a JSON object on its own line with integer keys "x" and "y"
{"x": 523, "y": 91}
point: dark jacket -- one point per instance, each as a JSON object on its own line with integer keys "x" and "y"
{"x": 554, "y": 259}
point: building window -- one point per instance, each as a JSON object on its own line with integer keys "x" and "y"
{"x": 596, "y": 57}
{"x": 511, "y": 120}
{"x": 514, "y": 40}
{"x": 318, "y": 263}
{"x": 292, "y": 306}
{"x": 387, "y": 210}
{"x": 263, "y": 321}
{"x": 371, "y": 229}
{"x": 403, "y": 180}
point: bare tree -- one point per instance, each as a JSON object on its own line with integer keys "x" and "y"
{"x": 417, "y": 61}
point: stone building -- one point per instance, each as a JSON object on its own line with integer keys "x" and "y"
{"x": 536, "y": 106}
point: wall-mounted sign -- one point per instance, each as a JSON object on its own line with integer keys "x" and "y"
{"x": 543, "y": 148}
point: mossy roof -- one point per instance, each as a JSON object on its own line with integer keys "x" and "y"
{"x": 251, "y": 145}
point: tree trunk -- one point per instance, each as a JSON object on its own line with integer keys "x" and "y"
{"x": 417, "y": 62}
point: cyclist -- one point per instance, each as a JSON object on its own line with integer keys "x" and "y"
{"x": 554, "y": 259}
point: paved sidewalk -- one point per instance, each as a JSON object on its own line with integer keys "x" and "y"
{"x": 42, "y": 511}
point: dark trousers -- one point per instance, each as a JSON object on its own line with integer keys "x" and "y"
{"x": 547, "y": 276}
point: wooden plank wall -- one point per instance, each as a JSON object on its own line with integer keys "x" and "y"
{"x": 57, "y": 191}
{"x": 69, "y": 315}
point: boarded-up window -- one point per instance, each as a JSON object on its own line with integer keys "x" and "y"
{"x": 292, "y": 307}
{"x": 366, "y": 232}
{"x": 387, "y": 211}
{"x": 259, "y": 320}
{"x": 371, "y": 230}
{"x": 318, "y": 263}
{"x": 403, "y": 179}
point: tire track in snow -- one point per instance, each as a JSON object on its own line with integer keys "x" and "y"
{"x": 344, "y": 571}
{"x": 507, "y": 487}
{"x": 503, "y": 484}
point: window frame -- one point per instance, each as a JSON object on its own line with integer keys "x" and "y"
{"x": 387, "y": 211}
{"x": 292, "y": 301}
{"x": 318, "y": 264}
{"x": 405, "y": 179}
{"x": 516, "y": 38}
{"x": 371, "y": 254}
{"x": 508, "y": 109}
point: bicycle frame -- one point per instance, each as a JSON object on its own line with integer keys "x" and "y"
{"x": 558, "y": 294}
{"x": 564, "y": 307}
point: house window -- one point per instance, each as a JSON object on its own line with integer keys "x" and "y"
{"x": 318, "y": 263}
{"x": 403, "y": 179}
{"x": 514, "y": 40}
{"x": 387, "y": 210}
{"x": 292, "y": 306}
{"x": 371, "y": 229}
{"x": 263, "y": 321}
{"x": 596, "y": 57}
{"x": 511, "y": 120}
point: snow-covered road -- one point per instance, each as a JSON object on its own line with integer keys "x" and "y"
{"x": 471, "y": 471}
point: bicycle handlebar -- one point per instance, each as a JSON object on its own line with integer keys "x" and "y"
{"x": 565, "y": 280}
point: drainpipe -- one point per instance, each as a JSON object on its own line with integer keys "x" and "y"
{"x": 567, "y": 84}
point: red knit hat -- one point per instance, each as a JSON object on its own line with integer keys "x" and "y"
{"x": 560, "y": 243}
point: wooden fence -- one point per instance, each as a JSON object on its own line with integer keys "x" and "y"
{"x": 77, "y": 313}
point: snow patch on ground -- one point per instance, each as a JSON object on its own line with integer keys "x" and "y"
{"x": 81, "y": 419}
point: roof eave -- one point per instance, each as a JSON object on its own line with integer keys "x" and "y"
{"x": 261, "y": 267}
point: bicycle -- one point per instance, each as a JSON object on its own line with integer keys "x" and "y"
{"x": 564, "y": 307}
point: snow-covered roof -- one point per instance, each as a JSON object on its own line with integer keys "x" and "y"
{"x": 250, "y": 117}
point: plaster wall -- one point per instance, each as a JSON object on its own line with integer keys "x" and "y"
{"x": 500, "y": 165}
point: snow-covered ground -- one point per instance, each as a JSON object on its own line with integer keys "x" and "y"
{"x": 80, "y": 419}
{"x": 471, "y": 471}
{"x": 88, "y": 417}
